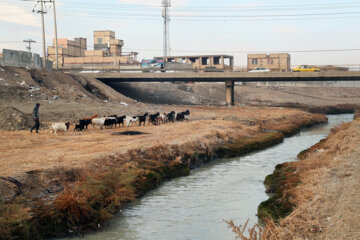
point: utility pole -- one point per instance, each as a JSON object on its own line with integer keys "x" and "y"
{"x": 29, "y": 41}
{"x": 42, "y": 12}
{"x": 166, "y": 16}
{"x": 56, "y": 38}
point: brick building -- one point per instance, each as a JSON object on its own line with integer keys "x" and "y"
{"x": 276, "y": 62}
{"x": 107, "y": 51}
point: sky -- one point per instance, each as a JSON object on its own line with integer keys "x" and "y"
{"x": 312, "y": 32}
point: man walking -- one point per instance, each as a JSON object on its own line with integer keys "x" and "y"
{"x": 36, "y": 118}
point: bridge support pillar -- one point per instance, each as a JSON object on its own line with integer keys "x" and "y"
{"x": 230, "y": 93}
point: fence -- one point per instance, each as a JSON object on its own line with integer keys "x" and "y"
{"x": 13, "y": 58}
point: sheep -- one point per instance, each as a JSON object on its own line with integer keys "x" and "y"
{"x": 60, "y": 127}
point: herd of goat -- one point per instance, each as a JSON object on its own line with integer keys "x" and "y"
{"x": 113, "y": 120}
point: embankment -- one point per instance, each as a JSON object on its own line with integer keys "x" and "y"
{"x": 75, "y": 183}
{"x": 317, "y": 197}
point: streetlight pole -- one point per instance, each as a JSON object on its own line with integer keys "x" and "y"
{"x": 56, "y": 37}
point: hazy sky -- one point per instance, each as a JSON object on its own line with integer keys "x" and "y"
{"x": 305, "y": 29}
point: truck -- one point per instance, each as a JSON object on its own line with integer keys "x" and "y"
{"x": 153, "y": 65}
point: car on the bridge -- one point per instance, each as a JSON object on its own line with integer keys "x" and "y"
{"x": 305, "y": 68}
{"x": 213, "y": 69}
{"x": 260, "y": 69}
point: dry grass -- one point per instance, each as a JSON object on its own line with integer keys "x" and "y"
{"x": 255, "y": 232}
{"x": 21, "y": 152}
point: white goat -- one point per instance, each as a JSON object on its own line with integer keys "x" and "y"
{"x": 162, "y": 117}
{"x": 98, "y": 122}
{"x": 129, "y": 120}
{"x": 60, "y": 127}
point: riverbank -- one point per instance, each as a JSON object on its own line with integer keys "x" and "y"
{"x": 75, "y": 182}
{"x": 317, "y": 197}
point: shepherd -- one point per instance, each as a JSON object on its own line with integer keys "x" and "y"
{"x": 36, "y": 118}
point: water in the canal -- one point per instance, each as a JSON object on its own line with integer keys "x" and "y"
{"x": 195, "y": 206}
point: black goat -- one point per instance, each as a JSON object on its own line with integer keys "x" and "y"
{"x": 142, "y": 119}
{"x": 110, "y": 122}
{"x": 154, "y": 118}
{"x": 85, "y": 123}
{"x": 79, "y": 127}
{"x": 120, "y": 120}
{"x": 170, "y": 116}
{"x": 183, "y": 115}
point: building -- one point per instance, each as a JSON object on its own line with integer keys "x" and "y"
{"x": 67, "y": 49}
{"x": 204, "y": 62}
{"x": 276, "y": 62}
{"x": 107, "y": 52}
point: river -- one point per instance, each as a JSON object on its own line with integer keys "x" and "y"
{"x": 194, "y": 207}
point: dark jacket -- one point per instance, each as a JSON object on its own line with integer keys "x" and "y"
{"x": 36, "y": 113}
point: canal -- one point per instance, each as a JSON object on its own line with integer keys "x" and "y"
{"x": 195, "y": 206}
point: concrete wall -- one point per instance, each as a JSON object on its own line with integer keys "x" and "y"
{"x": 37, "y": 61}
{"x": 49, "y": 65}
{"x": 25, "y": 59}
{"x": 12, "y": 58}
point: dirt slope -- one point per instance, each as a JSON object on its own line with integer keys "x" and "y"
{"x": 21, "y": 85}
{"x": 328, "y": 198}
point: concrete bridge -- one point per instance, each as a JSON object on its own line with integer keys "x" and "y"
{"x": 229, "y": 78}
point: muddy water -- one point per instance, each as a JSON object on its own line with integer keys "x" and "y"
{"x": 194, "y": 207}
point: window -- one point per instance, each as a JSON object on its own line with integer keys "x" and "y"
{"x": 99, "y": 41}
{"x": 205, "y": 61}
{"x": 217, "y": 60}
{"x": 254, "y": 61}
{"x": 270, "y": 61}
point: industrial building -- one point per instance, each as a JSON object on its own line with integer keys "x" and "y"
{"x": 204, "y": 62}
{"x": 107, "y": 52}
{"x": 276, "y": 62}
